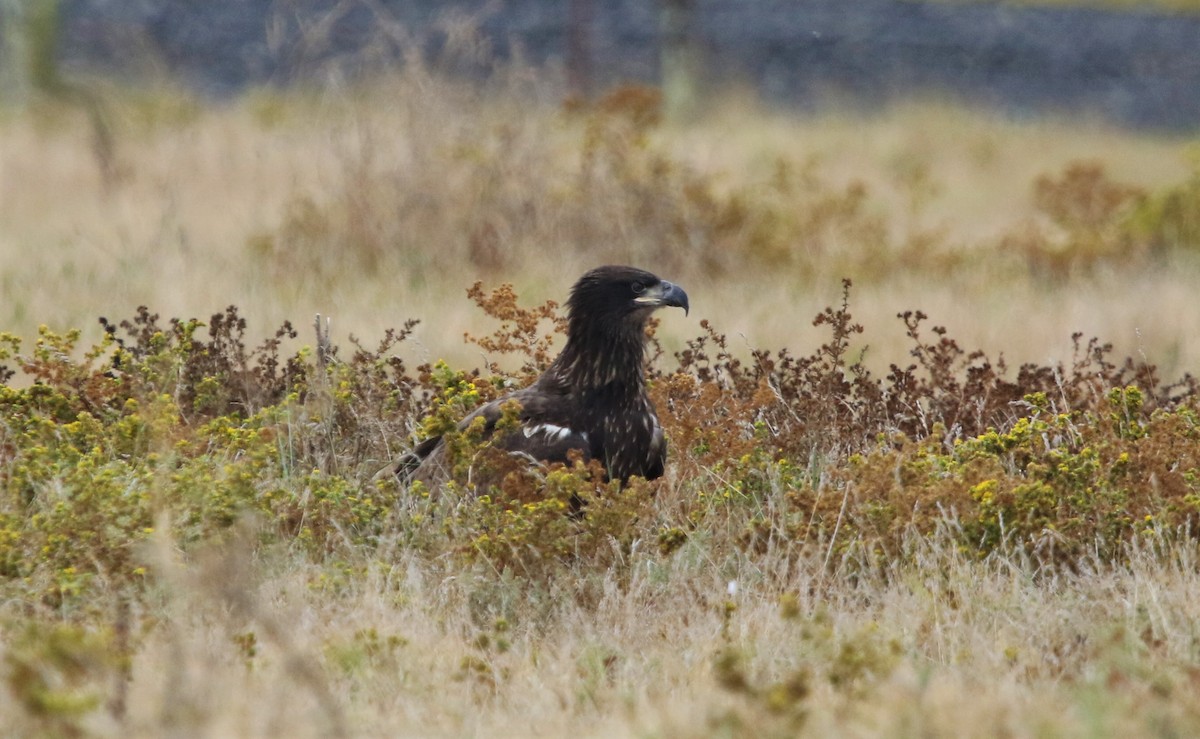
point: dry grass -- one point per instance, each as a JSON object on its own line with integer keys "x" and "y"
{"x": 386, "y": 203}
{"x": 946, "y": 647}
{"x": 435, "y": 186}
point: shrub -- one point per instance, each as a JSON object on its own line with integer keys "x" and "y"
{"x": 180, "y": 422}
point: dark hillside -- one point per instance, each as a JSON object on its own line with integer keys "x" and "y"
{"x": 1135, "y": 69}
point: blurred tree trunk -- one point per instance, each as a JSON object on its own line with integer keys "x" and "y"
{"x": 679, "y": 60}
{"x": 579, "y": 49}
{"x": 37, "y": 27}
{"x": 14, "y": 53}
{"x": 43, "y": 25}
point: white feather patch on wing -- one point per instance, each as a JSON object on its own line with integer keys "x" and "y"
{"x": 552, "y": 431}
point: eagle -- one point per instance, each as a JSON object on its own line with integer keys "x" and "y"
{"x": 592, "y": 399}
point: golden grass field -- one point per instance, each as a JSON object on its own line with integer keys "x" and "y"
{"x": 948, "y": 647}
{"x": 199, "y": 219}
{"x": 386, "y": 203}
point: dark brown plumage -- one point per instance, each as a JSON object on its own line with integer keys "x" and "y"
{"x": 592, "y": 398}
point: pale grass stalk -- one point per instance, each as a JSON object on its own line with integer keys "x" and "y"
{"x": 943, "y": 646}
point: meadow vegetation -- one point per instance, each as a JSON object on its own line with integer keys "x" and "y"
{"x": 913, "y": 489}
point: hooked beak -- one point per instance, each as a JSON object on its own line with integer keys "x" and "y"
{"x": 664, "y": 294}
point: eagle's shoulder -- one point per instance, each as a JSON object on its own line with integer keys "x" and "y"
{"x": 549, "y": 427}
{"x": 549, "y": 400}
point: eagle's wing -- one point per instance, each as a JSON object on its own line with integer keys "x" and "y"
{"x": 545, "y": 432}
{"x": 548, "y": 431}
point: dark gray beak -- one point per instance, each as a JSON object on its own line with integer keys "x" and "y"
{"x": 665, "y": 294}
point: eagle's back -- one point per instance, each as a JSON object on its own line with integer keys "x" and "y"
{"x": 620, "y": 430}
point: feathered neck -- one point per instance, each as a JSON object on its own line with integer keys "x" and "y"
{"x": 604, "y": 353}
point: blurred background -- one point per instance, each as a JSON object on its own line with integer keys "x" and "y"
{"x": 1020, "y": 171}
{"x": 1133, "y": 63}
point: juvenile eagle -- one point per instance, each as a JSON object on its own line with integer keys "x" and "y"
{"x": 593, "y": 397}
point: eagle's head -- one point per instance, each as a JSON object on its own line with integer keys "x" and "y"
{"x": 612, "y": 296}
{"x": 606, "y": 326}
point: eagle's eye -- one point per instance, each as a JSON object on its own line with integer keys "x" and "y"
{"x": 638, "y": 288}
